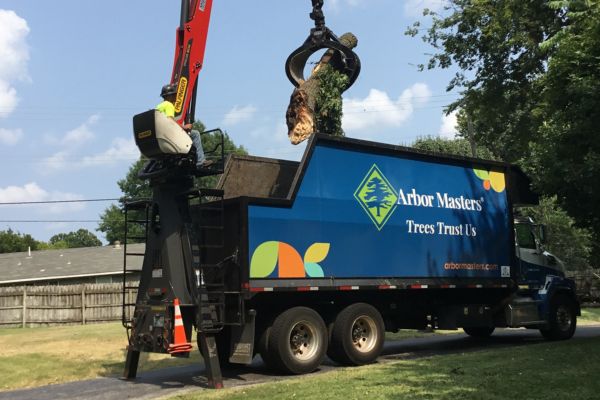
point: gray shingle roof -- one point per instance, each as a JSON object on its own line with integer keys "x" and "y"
{"x": 66, "y": 263}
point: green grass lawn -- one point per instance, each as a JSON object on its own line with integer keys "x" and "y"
{"x": 560, "y": 370}
{"x": 39, "y": 356}
{"x": 589, "y": 316}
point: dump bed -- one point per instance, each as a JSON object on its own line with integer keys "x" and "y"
{"x": 361, "y": 214}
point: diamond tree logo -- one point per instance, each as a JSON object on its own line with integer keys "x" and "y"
{"x": 377, "y": 197}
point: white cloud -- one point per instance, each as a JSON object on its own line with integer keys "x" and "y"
{"x": 81, "y": 134}
{"x": 120, "y": 150}
{"x": 14, "y": 53}
{"x": 448, "y": 129}
{"x": 414, "y": 8}
{"x": 10, "y": 137}
{"x": 33, "y": 192}
{"x": 8, "y": 99}
{"x": 239, "y": 114}
{"x": 68, "y": 158}
{"x": 337, "y": 5}
{"x": 56, "y": 162}
{"x": 378, "y": 110}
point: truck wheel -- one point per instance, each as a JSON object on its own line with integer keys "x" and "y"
{"x": 357, "y": 335}
{"x": 562, "y": 320}
{"x": 480, "y": 332}
{"x": 296, "y": 343}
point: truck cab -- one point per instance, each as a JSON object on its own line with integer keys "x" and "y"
{"x": 535, "y": 263}
{"x": 545, "y": 294}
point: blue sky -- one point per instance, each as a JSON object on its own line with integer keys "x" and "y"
{"x": 73, "y": 74}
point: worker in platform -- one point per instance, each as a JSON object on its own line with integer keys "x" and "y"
{"x": 167, "y": 107}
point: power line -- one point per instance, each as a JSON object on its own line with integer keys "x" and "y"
{"x": 15, "y": 203}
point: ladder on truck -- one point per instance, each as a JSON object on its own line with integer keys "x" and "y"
{"x": 207, "y": 239}
{"x": 136, "y": 216}
{"x": 206, "y": 233}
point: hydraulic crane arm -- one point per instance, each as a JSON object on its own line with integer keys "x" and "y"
{"x": 190, "y": 47}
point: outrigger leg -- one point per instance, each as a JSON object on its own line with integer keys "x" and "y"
{"x": 208, "y": 350}
{"x": 131, "y": 364}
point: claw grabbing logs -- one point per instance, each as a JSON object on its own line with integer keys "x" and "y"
{"x": 315, "y": 106}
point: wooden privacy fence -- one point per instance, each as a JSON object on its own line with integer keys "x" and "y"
{"x": 588, "y": 284}
{"x": 27, "y": 306}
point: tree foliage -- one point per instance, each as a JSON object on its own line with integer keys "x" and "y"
{"x": 12, "y": 242}
{"x": 328, "y": 101}
{"x": 568, "y": 242}
{"x": 530, "y": 84}
{"x": 80, "y": 238}
{"x": 112, "y": 220}
{"x": 458, "y": 147}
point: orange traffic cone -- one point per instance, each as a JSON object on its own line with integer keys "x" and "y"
{"x": 180, "y": 343}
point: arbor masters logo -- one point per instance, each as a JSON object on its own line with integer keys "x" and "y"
{"x": 377, "y": 197}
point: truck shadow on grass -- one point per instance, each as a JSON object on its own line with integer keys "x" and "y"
{"x": 192, "y": 373}
{"x": 454, "y": 343}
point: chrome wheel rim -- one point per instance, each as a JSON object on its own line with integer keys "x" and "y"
{"x": 364, "y": 334}
{"x": 563, "y": 318}
{"x": 304, "y": 341}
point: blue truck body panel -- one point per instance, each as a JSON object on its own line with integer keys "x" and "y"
{"x": 363, "y": 213}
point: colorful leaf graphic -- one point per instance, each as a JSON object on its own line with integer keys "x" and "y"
{"x": 316, "y": 253}
{"x": 264, "y": 260}
{"x": 482, "y": 174}
{"x": 290, "y": 262}
{"x": 497, "y": 180}
{"x": 314, "y": 270}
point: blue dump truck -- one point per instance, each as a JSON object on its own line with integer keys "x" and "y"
{"x": 296, "y": 261}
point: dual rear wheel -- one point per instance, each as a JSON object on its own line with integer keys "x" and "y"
{"x": 298, "y": 339}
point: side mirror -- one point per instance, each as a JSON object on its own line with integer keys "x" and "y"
{"x": 542, "y": 233}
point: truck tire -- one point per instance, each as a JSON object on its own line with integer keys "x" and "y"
{"x": 480, "y": 332}
{"x": 357, "y": 335}
{"x": 562, "y": 319}
{"x": 296, "y": 343}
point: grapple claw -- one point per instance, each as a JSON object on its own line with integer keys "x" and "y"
{"x": 343, "y": 59}
{"x": 347, "y": 61}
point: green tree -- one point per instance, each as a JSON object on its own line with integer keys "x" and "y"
{"x": 12, "y": 242}
{"x": 566, "y": 152}
{"x": 568, "y": 242}
{"x": 496, "y": 45}
{"x": 80, "y": 238}
{"x": 457, "y": 147}
{"x": 112, "y": 220}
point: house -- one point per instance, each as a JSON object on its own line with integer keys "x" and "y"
{"x": 103, "y": 264}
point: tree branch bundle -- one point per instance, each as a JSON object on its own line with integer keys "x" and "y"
{"x": 316, "y": 104}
